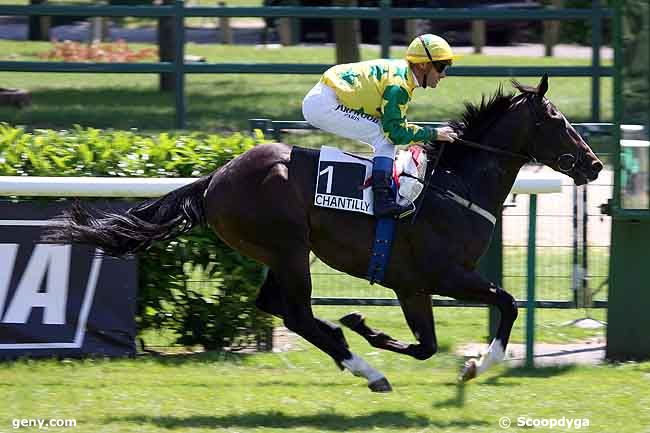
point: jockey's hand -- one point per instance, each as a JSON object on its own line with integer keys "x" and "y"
{"x": 446, "y": 133}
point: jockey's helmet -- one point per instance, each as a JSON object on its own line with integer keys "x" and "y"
{"x": 429, "y": 48}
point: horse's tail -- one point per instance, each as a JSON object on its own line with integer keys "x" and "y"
{"x": 121, "y": 233}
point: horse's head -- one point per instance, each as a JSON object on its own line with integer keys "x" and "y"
{"x": 553, "y": 140}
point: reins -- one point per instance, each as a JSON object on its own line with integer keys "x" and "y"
{"x": 565, "y": 163}
{"x": 436, "y": 159}
{"x": 491, "y": 149}
{"x": 434, "y": 165}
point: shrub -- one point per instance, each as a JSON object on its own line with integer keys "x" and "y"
{"x": 579, "y": 31}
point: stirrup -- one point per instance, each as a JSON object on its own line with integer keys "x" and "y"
{"x": 404, "y": 213}
{"x": 407, "y": 212}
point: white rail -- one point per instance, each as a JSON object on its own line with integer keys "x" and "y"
{"x": 153, "y": 187}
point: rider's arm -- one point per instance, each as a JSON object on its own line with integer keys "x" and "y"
{"x": 393, "y": 120}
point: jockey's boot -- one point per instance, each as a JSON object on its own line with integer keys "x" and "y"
{"x": 384, "y": 197}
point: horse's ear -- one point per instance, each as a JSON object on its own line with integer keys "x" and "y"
{"x": 542, "y": 88}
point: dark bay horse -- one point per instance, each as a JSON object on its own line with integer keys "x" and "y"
{"x": 261, "y": 204}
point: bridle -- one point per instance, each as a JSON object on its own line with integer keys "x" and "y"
{"x": 566, "y": 163}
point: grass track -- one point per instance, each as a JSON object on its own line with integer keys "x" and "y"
{"x": 301, "y": 391}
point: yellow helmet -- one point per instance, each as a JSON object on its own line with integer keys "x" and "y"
{"x": 429, "y": 48}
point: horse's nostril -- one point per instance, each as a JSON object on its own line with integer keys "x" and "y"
{"x": 596, "y": 166}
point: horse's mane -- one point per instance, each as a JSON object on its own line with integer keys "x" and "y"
{"x": 478, "y": 117}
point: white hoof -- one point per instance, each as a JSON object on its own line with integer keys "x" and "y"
{"x": 475, "y": 367}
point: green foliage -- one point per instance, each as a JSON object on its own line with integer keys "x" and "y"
{"x": 217, "y": 314}
{"x": 579, "y": 31}
{"x": 203, "y": 290}
{"x": 94, "y": 152}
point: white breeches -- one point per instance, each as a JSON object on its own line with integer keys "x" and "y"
{"x": 322, "y": 109}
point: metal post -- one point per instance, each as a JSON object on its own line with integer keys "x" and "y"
{"x": 586, "y": 291}
{"x": 576, "y": 259}
{"x": 551, "y": 31}
{"x": 224, "y": 26}
{"x": 530, "y": 282}
{"x": 478, "y": 35}
{"x": 179, "y": 62}
{"x": 98, "y": 27}
{"x": 491, "y": 267}
{"x": 647, "y": 132}
{"x": 596, "y": 41}
{"x": 264, "y": 125}
{"x": 385, "y": 28}
{"x": 617, "y": 31}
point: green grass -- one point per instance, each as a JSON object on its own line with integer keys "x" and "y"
{"x": 302, "y": 391}
{"x": 227, "y": 101}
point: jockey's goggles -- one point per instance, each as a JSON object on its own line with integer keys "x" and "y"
{"x": 441, "y": 65}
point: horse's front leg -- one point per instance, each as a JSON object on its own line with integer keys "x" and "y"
{"x": 419, "y": 316}
{"x": 465, "y": 285}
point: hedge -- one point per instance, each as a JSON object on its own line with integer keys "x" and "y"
{"x": 216, "y": 312}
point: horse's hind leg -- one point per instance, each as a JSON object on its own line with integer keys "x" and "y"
{"x": 466, "y": 285}
{"x": 270, "y": 300}
{"x": 294, "y": 280}
{"x": 419, "y": 316}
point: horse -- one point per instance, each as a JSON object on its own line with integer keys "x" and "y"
{"x": 261, "y": 204}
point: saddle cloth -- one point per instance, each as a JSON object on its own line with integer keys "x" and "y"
{"x": 343, "y": 180}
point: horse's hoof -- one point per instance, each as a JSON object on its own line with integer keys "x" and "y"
{"x": 469, "y": 371}
{"x": 380, "y": 385}
{"x": 352, "y": 320}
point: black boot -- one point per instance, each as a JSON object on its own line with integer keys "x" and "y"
{"x": 384, "y": 198}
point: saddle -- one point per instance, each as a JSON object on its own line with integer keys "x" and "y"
{"x": 343, "y": 180}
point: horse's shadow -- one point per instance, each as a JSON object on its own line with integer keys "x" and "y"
{"x": 528, "y": 372}
{"x": 459, "y": 397}
{"x": 319, "y": 421}
{"x": 209, "y": 357}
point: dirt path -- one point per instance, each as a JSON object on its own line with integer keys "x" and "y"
{"x": 589, "y": 352}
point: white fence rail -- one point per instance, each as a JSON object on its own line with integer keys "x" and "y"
{"x": 153, "y": 187}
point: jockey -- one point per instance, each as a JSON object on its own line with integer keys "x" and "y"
{"x": 367, "y": 101}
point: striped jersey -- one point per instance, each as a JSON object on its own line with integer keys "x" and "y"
{"x": 380, "y": 88}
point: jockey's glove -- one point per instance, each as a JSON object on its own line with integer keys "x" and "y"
{"x": 446, "y": 133}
